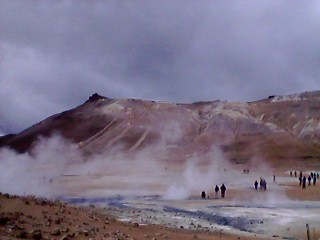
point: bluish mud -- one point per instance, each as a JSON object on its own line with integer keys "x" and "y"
{"x": 116, "y": 201}
{"x": 244, "y": 217}
{"x": 241, "y": 223}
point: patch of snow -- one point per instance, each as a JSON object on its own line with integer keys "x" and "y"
{"x": 113, "y": 107}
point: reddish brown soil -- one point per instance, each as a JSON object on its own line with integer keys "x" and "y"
{"x": 31, "y": 218}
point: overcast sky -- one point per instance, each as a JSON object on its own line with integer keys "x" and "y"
{"x": 55, "y": 54}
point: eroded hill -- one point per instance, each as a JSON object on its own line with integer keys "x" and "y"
{"x": 280, "y": 128}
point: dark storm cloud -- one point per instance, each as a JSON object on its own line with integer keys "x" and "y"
{"x": 54, "y": 54}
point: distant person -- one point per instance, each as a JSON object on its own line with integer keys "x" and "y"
{"x": 304, "y": 180}
{"x": 216, "y": 189}
{"x": 300, "y": 181}
{"x": 314, "y": 179}
{"x": 203, "y": 194}
{"x": 290, "y": 173}
{"x": 317, "y": 175}
{"x": 295, "y": 173}
{"x": 255, "y": 185}
{"x": 274, "y": 178}
{"x": 223, "y": 190}
{"x": 311, "y": 174}
{"x": 300, "y": 174}
{"x": 263, "y": 184}
{"x": 309, "y": 180}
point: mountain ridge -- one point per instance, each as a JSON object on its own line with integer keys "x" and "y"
{"x": 278, "y": 127}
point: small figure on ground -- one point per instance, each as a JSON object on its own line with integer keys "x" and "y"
{"x": 311, "y": 174}
{"x": 295, "y": 173}
{"x": 290, "y": 173}
{"x": 203, "y": 194}
{"x": 314, "y": 179}
{"x": 223, "y": 190}
{"x": 318, "y": 175}
{"x": 216, "y": 189}
{"x": 300, "y": 181}
{"x": 309, "y": 180}
{"x": 300, "y": 174}
{"x": 263, "y": 184}
{"x": 274, "y": 178}
{"x": 255, "y": 185}
{"x": 304, "y": 180}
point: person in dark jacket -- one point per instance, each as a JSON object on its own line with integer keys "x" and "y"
{"x": 217, "y": 191}
{"x": 203, "y": 194}
{"x": 223, "y": 190}
{"x": 304, "y": 180}
{"x": 309, "y": 180}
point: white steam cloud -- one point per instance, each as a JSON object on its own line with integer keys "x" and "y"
{"x": 35, "y": 173}
{"x": 201, "y": 173}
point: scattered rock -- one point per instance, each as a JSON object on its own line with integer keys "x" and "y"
{"x": 21, "y": 234}
{"x": 135, "y": 224}
{"x": 36, "y": 234}
{"x": 55, "y": 232}
{"x": 3, "y": 220}
{"x": 65, "y": 237}
{"x": 57, "y": 221}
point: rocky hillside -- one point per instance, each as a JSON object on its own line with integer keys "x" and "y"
{"x": 276, "y": 128}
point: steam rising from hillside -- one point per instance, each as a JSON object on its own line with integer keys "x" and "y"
{"x": 46, "y": 171}
{"x": 56, "y": 167}
{"x": 201, "y": 173}
{"x": 32, "y": 173}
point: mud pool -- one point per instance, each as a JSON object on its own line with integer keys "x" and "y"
{"x": 244, "y": 211}
{"x": 284, "y": 220}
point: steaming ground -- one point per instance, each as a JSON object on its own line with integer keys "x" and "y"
{"x": 148, "y": 188}
{"x": 269, "y": 213}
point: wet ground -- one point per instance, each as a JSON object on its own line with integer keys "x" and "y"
{"x": 244, "y": 210}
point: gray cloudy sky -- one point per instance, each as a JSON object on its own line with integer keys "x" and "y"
{"x": 54, "y": 54}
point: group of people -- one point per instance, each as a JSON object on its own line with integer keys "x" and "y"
{"x": 312, "y": 174}
{"x": 222, "y": 189}
{"x": 303, "y": 179}
{"x": 263, "y": 184}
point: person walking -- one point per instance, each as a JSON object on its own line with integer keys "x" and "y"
{"x": 304, "y": 180}
{"x": 203, "y": 194}
{"x": 216, "y": 189}
{"x": 255, "y": 185}
{"x": 300, "y": 181}
{"x": 223, "y": 190}
{"x": 309, "y": 180}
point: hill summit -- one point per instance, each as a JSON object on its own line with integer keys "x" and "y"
{"x": 276, "y": 128}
